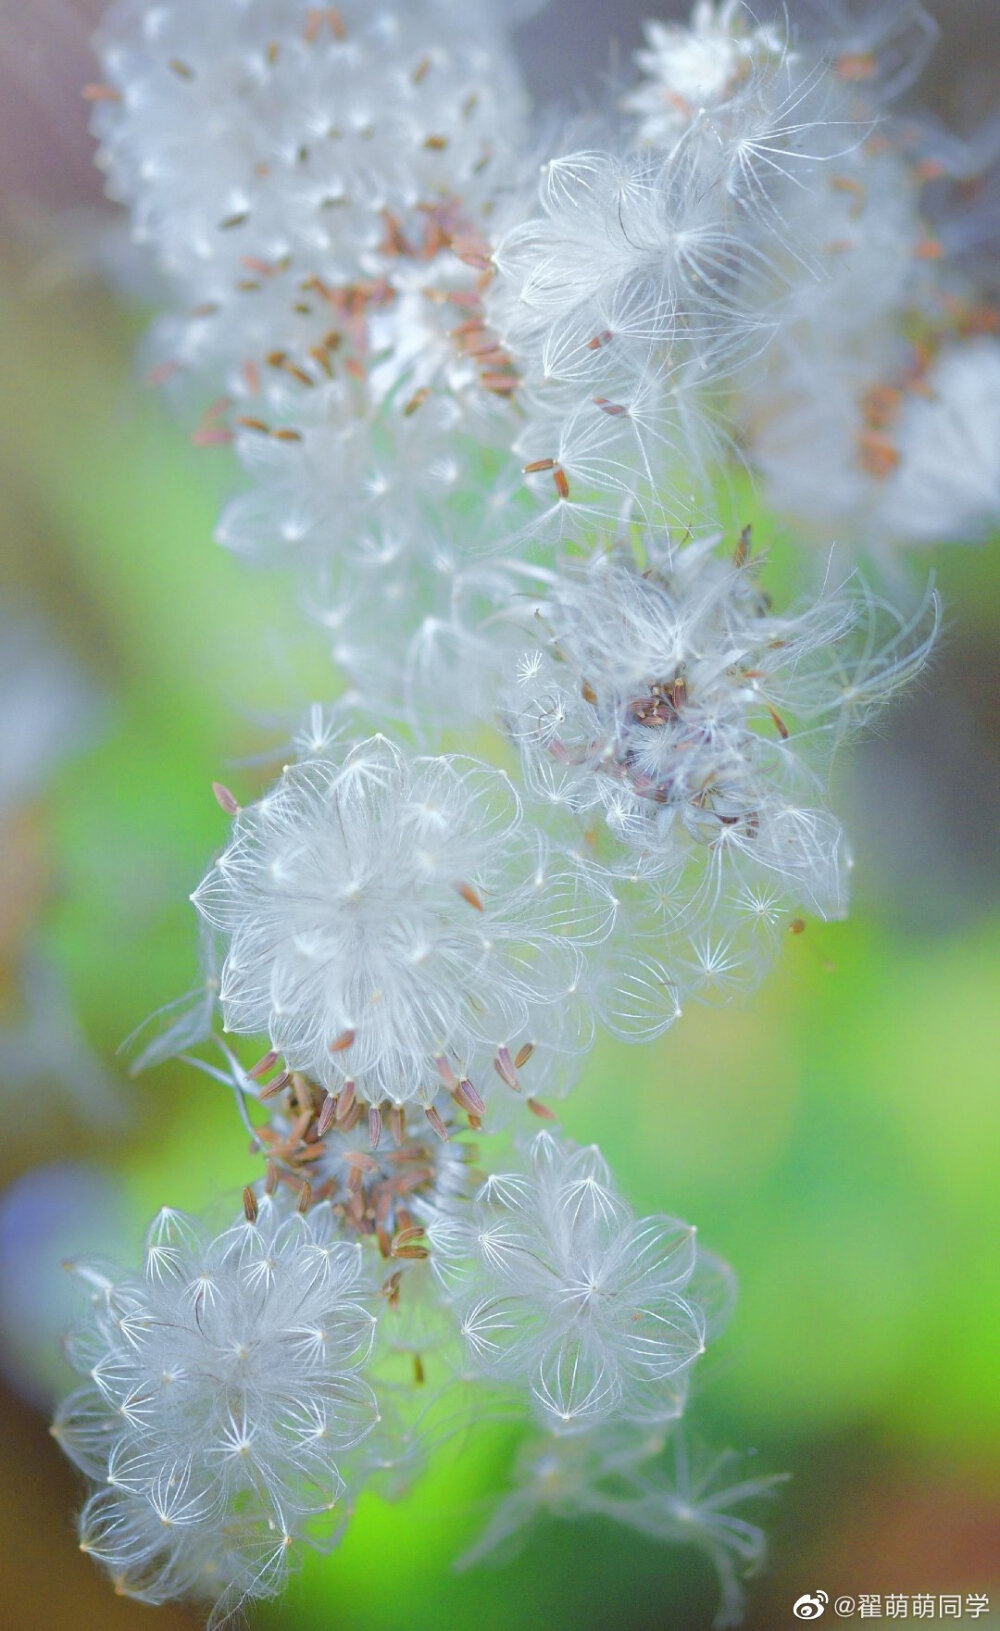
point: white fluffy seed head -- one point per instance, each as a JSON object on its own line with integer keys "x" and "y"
{"x": 383, "y": 914}
{"x": 699, "y": 68}
{"x": 900, "y": 456}
{"x": 690, "y": 729}
{"x": 560, "y": 1288}
{"x": 223, "y": 1389}
{"x": 318, "y": 184}
{"x": 286, "y": 131}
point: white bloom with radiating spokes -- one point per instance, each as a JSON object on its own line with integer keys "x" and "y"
{"x": 223, "y": 1388}
{"x": 561, "y": 1288}
{"x": 392, "y": 922}
{"x": 690, "y": 730}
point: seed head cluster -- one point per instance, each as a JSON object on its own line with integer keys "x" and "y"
{"x": 492, "y": 394}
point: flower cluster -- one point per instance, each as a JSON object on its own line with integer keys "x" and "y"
{"x": 488, "y": 414}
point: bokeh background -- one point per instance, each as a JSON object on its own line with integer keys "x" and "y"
{"x": 836, "y": 1140}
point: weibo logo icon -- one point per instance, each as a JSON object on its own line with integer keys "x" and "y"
{"x": 809, "y": 1607}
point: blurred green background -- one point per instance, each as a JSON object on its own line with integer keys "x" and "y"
{"x": 836, "y": 1140}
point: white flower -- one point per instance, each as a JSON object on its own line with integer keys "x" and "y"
{"x": 223, "y": 1389}
{"x": 392, "y": 923}
{"x": 694, "y": 68}
{"x": 319, "y": 182}
{"x": 274, "y": 129}
{"x": 690, "y": 728}
{"x": 559, "y": 1287}
{"x": 619, "y": 302}
{"x": 620, "y": 1476}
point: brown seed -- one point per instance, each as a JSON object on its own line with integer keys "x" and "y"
{"x": 561, "y": 481}
{"x": 262, "y": 1066}
{"x": 326, "y": 1115}
{"x": 347, "y": 1101}
{"x": 437, "y": 144}
{"x": 503, "y": 1064}
{"x": 182, "y": 69}
{"x": 253, "y": 424}
{"x": 270, "y": 1178}
{"x": 420, "y": 72}
{"x": 612, "y": 408}
{"x": 540, "y": 1110}
{"x": 249, "y": 1205}
{"x": 855, "y": 66}
{"x": 341, "y": 1043}
{"x": 238, "y": 220}
{"x": 446, "y": 1073}
{"x": 472, "y": 252}
{"x": 275, "y": 1086}
{"x": 416, "y": 401}
{"x": 436, "y": 1123}
{"x": 288, "y": 436}
{"x": 468, "y": 1098}
{"x": 499, "y": 384}
{"x": 742, "y": 552}
{"x": 225, "y": 799}
{"x": 779, "y": 724}
{"x": 877, "y": 454}
{"x": 100, "y": 93}
{"x": 797, "y": 926}
{"x": 305, "y": 1197}
{"x": 374, "y": 1125}
{"x": 352, "y": 1117}
{"x": 523, "y": 1054}
{"x": 418, "y": 1369}
{"x": 360, "y": 1161}
{"x": 468, "y": 894}
{"x": 538, "y": 464}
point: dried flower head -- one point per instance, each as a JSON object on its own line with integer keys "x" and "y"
{"x": 560, "y": 1288}
{"x": 393, "y": 925}
{"x": 690, "y": 728}
{"x": 223, "y": 1388}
